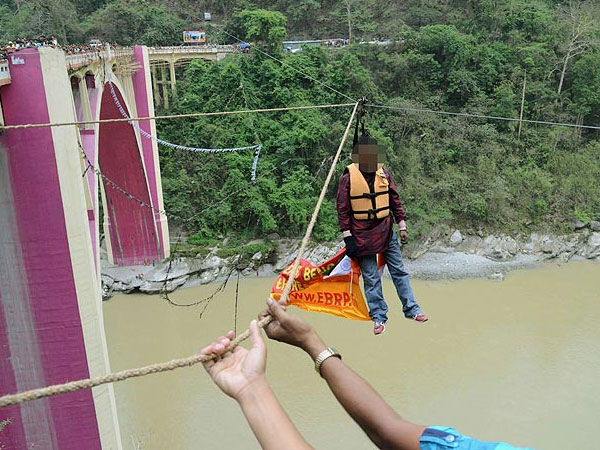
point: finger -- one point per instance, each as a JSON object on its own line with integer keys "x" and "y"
{"x": 256, "y": 340}
{"x": 207, "y": 350}
{"x": 277, "y": 310}
{"x": 230, "y": 335}
{"x": 219, "y": 349}
{"x": 263, "y": 314}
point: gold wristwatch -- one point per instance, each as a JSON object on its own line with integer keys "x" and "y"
{"x": 328, "y": 352}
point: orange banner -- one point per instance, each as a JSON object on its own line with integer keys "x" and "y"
{"x": 331, "y": 287}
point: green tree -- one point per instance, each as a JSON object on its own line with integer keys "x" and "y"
{"x": 130, "y": 22}
{"x": 259, "y": 25}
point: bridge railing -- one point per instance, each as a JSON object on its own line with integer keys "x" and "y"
{"x": 4, "y": 72}
{"x": 192, "y": 49}
{"x": 79, "y": 59}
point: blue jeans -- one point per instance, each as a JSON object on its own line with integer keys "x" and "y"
{"x": 372, "y": 281}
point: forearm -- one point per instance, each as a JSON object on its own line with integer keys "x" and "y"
{"x": 368, "y": 409}
{"x": 269, "y": 422}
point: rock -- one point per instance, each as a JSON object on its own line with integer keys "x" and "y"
{"x": 212, "y": 262}
{"x": 469, "y": 244}
{"x": 320, "y": 254}
{"x": 437, "y": 248}
{"x": 266, "y": 270}
{"x": 527, "y": 248}
{"x": 499, "y": 247}
{"x": 208, "y": 276}
{"x": 498, "y": 276}
{"x": 107, "y": 281}
{"x": 248, "y": 271}
{"x": 155, "y": 287}
{"x": 592, "y": 248}
{"x": 579, "y": 225}
{"x": 257, "y": 256}
{"x": 456, "y": 238}
{"x": 274, "y": 237}
{"x": 480, "y": 232}
{"x": 595, "y": 225}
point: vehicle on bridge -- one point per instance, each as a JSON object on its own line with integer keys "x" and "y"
{"x": 194, "y": 37}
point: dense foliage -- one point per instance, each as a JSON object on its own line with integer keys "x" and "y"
{"x": 455, "y": 55}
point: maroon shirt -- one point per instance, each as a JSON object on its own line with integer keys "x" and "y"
{"x": 372, "y": 235}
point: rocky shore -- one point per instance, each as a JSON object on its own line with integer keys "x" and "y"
{"x": 445, "y": 254}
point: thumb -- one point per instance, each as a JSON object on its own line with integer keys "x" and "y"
{"x": 256, "y": 340}
{"x": 276, "y": 310}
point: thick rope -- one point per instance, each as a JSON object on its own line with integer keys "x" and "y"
{"x": 34, "y": 394}
{"x": 174, "y": 116}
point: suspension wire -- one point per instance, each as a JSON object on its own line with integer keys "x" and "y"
{"x": 174, "y": 116}
{"x": 237, "y": 290}
{"x": 294, "y": 68}
{"x": 118, "y": 188}
{"x": 182, "y": 147}
{"x": 482, "y": 116}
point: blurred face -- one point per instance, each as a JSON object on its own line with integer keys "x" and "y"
{"x": 367, "y": 157}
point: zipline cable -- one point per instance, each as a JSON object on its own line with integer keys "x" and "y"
{"x": 174, "y": 116}
{"x": 34, "y": 394}
{"x": 482, "y": 116}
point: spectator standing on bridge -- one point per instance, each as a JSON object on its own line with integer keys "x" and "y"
{"x": 367, "y": 205}
{"x": 241, "y": 375}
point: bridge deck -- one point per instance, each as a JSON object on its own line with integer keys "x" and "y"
{"x": 180, "y": 50}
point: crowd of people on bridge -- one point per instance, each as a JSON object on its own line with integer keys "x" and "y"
{"x": 42, "y": 41}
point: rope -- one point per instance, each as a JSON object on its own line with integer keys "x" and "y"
{"x": 34, "y": 394}
{"x": 484, "y": 116}
{"x": 174, "y": 116}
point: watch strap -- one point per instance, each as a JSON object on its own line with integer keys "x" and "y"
{"x": 321, "y": 357}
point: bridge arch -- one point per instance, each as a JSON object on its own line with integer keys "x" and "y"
{"x": 129, "y": 228}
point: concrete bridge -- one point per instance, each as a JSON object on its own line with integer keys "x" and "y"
{"x": 51, "y": 324}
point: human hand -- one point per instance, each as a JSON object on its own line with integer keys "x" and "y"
{"x": 236, "y": 371}
{"x": 403, "y": 237}
{"x": 351, "y": 247}
{"x": 291, "y": 329}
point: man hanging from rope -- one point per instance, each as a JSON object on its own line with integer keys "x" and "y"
{"x": 367, "y": 205}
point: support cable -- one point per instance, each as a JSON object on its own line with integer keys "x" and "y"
{"x": 484, "y": 116}
{"x": 174, "y": 116}
{"x": 183, "y": 147}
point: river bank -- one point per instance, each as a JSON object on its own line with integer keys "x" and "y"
{"x": 445, "y": 254}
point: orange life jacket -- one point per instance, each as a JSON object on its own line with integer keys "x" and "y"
{"x": 366, "y": 203}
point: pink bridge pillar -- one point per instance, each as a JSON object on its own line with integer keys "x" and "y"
{"x": 51, "y": 323}
{"x": 135, "y": 234}
{"x": 142, "y": 86}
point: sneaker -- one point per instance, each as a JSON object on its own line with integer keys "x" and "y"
{"x": 378, "y": 328}
{"x": 419, "y": 317}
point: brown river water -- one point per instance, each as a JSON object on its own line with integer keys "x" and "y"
{"x": 517, "y": 360}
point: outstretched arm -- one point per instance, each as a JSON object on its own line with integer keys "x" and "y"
{"x": 369, "y": 410}
{"x": 241, "y": 375}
